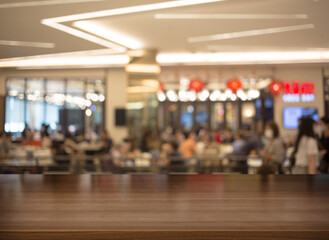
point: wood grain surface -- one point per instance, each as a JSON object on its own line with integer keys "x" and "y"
{"x": 164, "y": 207}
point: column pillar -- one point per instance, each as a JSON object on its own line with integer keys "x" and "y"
{"x": 142, "y": 104}
{"x": 116, "y": 84}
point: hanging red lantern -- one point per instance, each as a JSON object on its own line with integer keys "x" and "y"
{"x": 161, "y": 86}
{"x": 275, "y": 87}
{"x": 196, "y": 85}
{"x": 234, "y": 84}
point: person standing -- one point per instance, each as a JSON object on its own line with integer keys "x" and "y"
{"x": 306, "y": 149}
{"x": 274, "y": 151}
{"x": 324, "y": 142}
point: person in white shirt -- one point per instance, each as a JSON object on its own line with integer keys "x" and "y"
{"x": 307, "y": 151}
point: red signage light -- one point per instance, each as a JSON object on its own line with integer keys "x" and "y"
{"x": 305, "y": 88}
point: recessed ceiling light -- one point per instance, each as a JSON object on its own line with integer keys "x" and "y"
{"x": 230, "y": 16}
{"x": 249, "y": 33}
{"x": 43, "y": 3}
{"x": 27, "y": 44}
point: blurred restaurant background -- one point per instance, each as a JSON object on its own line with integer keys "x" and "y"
{"x": 160, "y": 86}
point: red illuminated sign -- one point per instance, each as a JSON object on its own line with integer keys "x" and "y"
{"x": 297, "y": 88}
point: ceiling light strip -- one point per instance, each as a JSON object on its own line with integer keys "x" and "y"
{"x": 43, "y": 3}
{"x": 229, "y": 16}
{"x": 133, "y": 9}
{"x": 112, "y": 60}
{"x": 249, "y": 33}
{"x": 55, "y": 22}
{"x": 27, "y": 44}
{"x": 83, "y": 35}
{"x": 109, "y": 34}
{"x": 244, "y": 58}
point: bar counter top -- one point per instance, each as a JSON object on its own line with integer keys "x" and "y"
{"x": 164, "y": 207}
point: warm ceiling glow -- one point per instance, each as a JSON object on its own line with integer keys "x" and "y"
{"x": 112, "y": 60}
{"x": 133, "y": 9}
{"x": 27, "y": 44}
{"x": 229, "y": 16}
{"x": 43, "y": 3}
{"x": 139, "y": 89}
{"x": 248, "y": 33}
{"x": 143, "y": 68}
{"x": 109, "y": 34}
{"x": 243, "y": 57}
{"x": 83, "y": 35}
{"x": 57, "y": 22}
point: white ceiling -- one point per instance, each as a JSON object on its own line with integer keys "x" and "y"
{"x": 169, "y": 35}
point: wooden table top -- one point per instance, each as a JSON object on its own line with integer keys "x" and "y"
{"x": 164, "y": 206}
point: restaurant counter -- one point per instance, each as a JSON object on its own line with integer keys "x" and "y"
{"x": 164, "y": 207}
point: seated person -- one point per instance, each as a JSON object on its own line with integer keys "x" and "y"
{"x": 239, "y": 144}
{"x": 32, "y": 141}
{"x": 188, "y": 147}
{"x": 228, "y": 136}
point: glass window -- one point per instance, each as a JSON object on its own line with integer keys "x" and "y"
{"x": 248, "y": 115}
{"x": 15, "y": 86}
{"x": 186, "y": 117}
{"x": 201, "y": 116}
{"x": 35, "y": 103}
{"x": 54, "y": 102}
{"x": 218, "y": 114}
{"x": 15, "y": 114}
{"x": 15, "y": 105}
{"x": 75, "y": 87}
{"x": 231, "y": 116}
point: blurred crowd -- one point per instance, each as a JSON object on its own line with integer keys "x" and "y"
{"x": 305, "y": 153}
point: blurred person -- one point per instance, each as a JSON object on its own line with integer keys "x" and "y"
{"x": 211, "y": 147}
{"x": 274, "y": 151}
{"x": 217, "y": 136}
{"x": 2, "y": 150}
{"x": 188, "y": 147}
{"x": 146, "y": 138}
{"x": 306, "y": 149}
{"x": 239, "y": 144}
{"x": 6, "y": 143}
{"x": 202, "y": 143}
{"x": 173, "y": 150}
{"x": 70, "y": 146}
{"x": 167, "y": 134}
{"x": 130, "y": 150}
{"x": 26, "y": 132}
{"x": 119, "y": 151}
{"x": 228, "y": 136}
{"x": 44, "y": 128}
{"x": 165, "y": 150}
{"x": 254, "y": 144}
{"x": 179, "y": 137}
{"x": 169, "y": 151}
{"x": 32, "y": 140}
{"x": 45, "y": 140}
{"x": 107, "y": 142}
{"x": 324, "y": 144}
{"x": 58, "y": 135}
